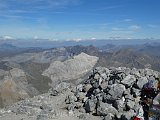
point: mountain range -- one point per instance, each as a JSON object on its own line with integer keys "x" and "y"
{"x": 29, "y": 71}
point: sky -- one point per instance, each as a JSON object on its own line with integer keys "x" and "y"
{"x": 80, "y": 19}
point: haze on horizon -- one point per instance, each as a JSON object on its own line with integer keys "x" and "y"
{"x": 80, "y": 19}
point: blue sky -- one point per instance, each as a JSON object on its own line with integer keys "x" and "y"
{"x": 80, "y": 19}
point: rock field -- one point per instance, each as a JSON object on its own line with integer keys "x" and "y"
{"x": 107, "y": 94}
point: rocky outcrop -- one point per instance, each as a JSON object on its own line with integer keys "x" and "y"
{"x": 114, "y": 93}
{"x": 70, "y": 69}
{"x": 106, "y": 95}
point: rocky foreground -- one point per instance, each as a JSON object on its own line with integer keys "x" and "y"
{"x": 107, "y": 94}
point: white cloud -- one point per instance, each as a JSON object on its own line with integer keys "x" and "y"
{"x": 134, "y": 27}
{"x": 75, "y": 39}
{"x": 7, "y": 37}
{"x": 93, "y": 38}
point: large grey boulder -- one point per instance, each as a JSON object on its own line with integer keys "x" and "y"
{"x": 141, "y": 82}
{"x": 87, "y": 87}
{"x": 104, "y": 109}
{"x": 116, "y": 91}
{"x": 128, "y": 80}
{"x": 130, "y": 104}
{"x": 90, "y": 105}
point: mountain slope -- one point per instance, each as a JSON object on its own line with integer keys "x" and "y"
{"x": 14, "y": 87}
{"x": 70, "y": 69}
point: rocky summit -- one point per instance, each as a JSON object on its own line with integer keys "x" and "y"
{"x": 107, "y": 94}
